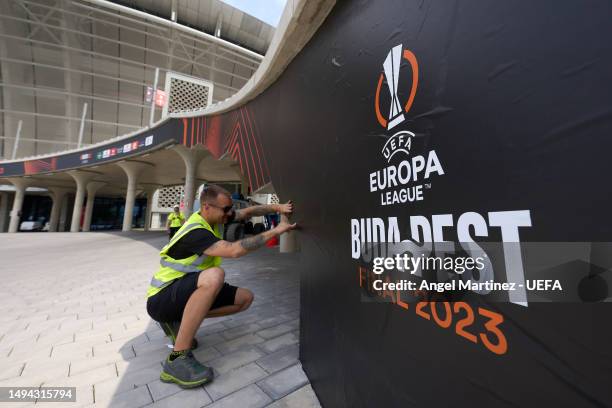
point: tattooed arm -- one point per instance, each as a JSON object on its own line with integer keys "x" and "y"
{"x": 240, "y": 248}
{"x": 258, "y": 210}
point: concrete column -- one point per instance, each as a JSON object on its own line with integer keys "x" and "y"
{"x": 132, "y": 170}
{"x": 58, "y": 196}
{"x": 92, "y": 188}
{"x": 81, "y": 178}
{"x": 61, "y": 226}
{"x": 130, "y": 199}
{"x": 192, "y": 158}
{"x": 149, "y": 191}
{"x": 20, "y": 188}
{"x": 58, "y": 199}
{"x": 147, "y": 225}
{"x": 4, "y": 200}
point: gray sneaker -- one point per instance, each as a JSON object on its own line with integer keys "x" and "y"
{"x": 171, "y": 330}
{"x": 186, "y": 371}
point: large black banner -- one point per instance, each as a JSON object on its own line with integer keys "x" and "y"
{"x": 440, "y": 128}
{"x": 446, "y": 123}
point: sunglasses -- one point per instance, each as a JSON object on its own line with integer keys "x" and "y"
{"x": 225, "y": 209}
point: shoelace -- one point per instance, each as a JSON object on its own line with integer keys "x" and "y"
{"x": 192, "y": 362}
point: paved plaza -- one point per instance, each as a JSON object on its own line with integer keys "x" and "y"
{"x": 74, "y": 314}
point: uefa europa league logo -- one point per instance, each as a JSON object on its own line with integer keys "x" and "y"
{"x": 391, "y": 68}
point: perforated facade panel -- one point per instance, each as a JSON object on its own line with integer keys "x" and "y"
{"x": 168, "y": 197}
{"x": 186, "y": 94}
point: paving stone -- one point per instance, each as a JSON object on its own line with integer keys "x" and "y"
{"x": 133, "y": 336}
{"x": 55, "y": 338}
{"x": 279, "y": 342}
{"x": 94, "y": 316}
{"x": 234, "y": 380}
{"x": 19, "y": 338}
{"x": 149, "y": 346}
{"x": 284, "y": 382}
{"x": 27, "y": 351}
{"x": 34, "y": 321}
{"x": 92, "y": 338}
{"x": 127, "y": 316}
{"x": 210, "y": 326}
{"x": 153, "y": 325}
{"x": 295, "y": 323}
{"x": 210, "y": 339}
{"x": 248, "y": 397}
{"x": 84, "y": 365}
{"x": 239, "y": 321}
{"x": 135, "y": 398}
{"x": 280, "y": 359}
{"x": 77, "y": 326}
{"x": 234, "y": 360}
{"x": 268, "y": 310}
{"x": 22, "y": 382}
{"x": 302, "y": 398}
{"x": 107, "y": 326}
{"x": 138, "y": 324}
{"x": 294, "y": 315}
{"x": 231, "y": 334}
{"x": 273, "y": 321}
{"x": 155, "y": 334}
{"x": 106, "y": 389}
{"x": 14, "y": 337}
{"x": 140, "y": 362}
{"x": 194, "y": 398}
{"x": 135, "y": 369}
{"x": 63, "y": 315}
{"x": 38, "y": 377}
{"x": 84, "y": 393}
{"x": 156, "y": 354}
{"x": 51, "y": 368}
{"x": 128, "y": 381}
{"x": 237, "y": 344}
{"x": 206, "y": 354}
{"x": 160, "y": 390}
{"x": 13, "y": 370}
{"x": 93, "y": 376}
{"x": 276, "y": 331}
{"x": 286, "y": 309}
{"x": 71, "y": 350}
{"x": 122, "y": 350}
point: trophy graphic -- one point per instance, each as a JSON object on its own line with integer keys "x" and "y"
{"x": 391, "y": 67}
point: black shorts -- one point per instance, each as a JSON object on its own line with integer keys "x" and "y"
{"x": 169, "y": 303}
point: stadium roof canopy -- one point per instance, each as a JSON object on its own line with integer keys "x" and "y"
{"x": 58, "y": 55}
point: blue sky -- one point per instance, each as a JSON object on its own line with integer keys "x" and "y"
{"x": 268, "y": 11}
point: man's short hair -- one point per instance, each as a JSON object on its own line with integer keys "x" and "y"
{"x": 211, "y": 192}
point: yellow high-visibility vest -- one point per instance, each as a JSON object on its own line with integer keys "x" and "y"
{"x": 172, "y": 269}
{"x": 176, "y": 220}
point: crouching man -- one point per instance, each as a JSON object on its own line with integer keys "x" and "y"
{"x": 190, "y": 284}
